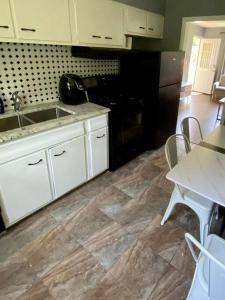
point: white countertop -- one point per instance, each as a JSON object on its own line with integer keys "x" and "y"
{"x": 79, "y": 113}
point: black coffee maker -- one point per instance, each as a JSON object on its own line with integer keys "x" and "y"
{"x": 72, "y": 89}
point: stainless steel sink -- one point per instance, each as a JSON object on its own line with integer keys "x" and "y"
{"x": 13, "y": 123}
{"x": 47, "y": 114}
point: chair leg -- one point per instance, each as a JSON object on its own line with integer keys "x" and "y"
{"x": 168, "y": 211}
{"x": 204, "y": 230}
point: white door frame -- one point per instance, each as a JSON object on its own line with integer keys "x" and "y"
{"x": 187, "y": 20}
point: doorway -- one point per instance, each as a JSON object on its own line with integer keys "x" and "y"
{"x": 194, "y": 59}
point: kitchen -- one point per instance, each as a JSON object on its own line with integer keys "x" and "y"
{"x": 82, "y": 167}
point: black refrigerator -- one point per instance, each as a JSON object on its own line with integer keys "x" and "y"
{"x": 156, "y": 76}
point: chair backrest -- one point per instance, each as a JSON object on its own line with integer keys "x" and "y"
{"x": 173, "y": 148}
{"x": 216, "y": 269}
{"x": 185, "y": 128}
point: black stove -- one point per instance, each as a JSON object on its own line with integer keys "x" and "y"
{"x": 126, "y": 120}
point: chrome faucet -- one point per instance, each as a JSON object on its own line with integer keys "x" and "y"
{"x": 16, "y": 101}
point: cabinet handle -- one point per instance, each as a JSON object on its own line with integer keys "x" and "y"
{"x": 28, "y": 29}
{"x": 141, "y": 27}
{"x": 108, "y": 37}
{"x": 3, "y": 26}
{"x": 152, "y": 29}
{"x": 34, "y": 164}
{"x": 101, "y": 136}
{"x": 96, "y": 36}
{"x": 60, "y": 154}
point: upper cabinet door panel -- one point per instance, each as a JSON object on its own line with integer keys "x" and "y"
{"x": 6, "y": 24}
{"x": 99, "y": 22}
{"x": 155, "y": 25}
{"x": 45, "y": 20}
{"x": 136, "y": 21}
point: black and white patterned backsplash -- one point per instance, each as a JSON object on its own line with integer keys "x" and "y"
{"x": 34, "y": 70}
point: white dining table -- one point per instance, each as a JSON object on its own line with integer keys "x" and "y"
{"x": 203, "y": 169}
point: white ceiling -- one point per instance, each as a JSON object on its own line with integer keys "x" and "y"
{"x": 210, "y": 24}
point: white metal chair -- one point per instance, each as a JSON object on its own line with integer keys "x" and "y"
{"x": 200, "y": 205}
{"x": 209, "y": 278}
{"x": 185, "y": 128}
{"x": 219, "y": 89}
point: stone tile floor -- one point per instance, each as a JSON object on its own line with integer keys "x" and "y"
{"x": 103, "y": 241}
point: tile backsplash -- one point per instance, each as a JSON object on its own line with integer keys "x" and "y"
{"x": 35, "y": 71}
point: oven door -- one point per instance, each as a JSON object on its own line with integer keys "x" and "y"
{"x": 126, "y": 133}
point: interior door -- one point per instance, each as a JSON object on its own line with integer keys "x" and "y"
{"x": 206, "y": 66}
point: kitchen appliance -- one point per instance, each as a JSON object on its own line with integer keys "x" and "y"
{"x": 156, "y": 77}
{"x": 72, "y": 89}
{"x": 126, "y": 118}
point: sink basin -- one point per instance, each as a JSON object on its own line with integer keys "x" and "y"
{"x": 47, "y": 114}
{"x": 13, "y": 123}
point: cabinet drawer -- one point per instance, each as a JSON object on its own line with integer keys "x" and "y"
{"x": 24, "y": 186}
{"x": 96, "y": 123}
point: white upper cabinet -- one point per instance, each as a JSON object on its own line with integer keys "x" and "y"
{"x": 99, "y": 22}
{"x": 6, "y": 24}
{"x": 136, "y": 20}
{"x": 143, "y": 23}
{"x": 42, "y": 20}
{"x": 155, "y": 25}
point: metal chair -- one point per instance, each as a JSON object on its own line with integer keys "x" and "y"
{"x": 185, "y": 128}
{"x": 209, "y": 277}
{"x": 200, "y": 205}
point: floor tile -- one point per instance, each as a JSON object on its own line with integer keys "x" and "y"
{"x": 7, "y": 247}
{"x": 183, "y": 261}
{"x": 107, "y": 289}
{"x": 84, "y": 224}
{"x": 163, "y": 240}
{"x": 74, "y": 276}
{"x": 109, "y": 243}
{"x": 139, "y": 269}
{"x": 49, "y": 250}
{"x": 70, "y": 203}
{"x": 111, "y": 201}
{"x": 31, "y": 228}
{"x": 133, "y": 185}
{"x": 172, "y": 285}
{"x": 16, "y": 277}
{"x": 148, "y": 170}
{"x": 37, "y": 292}
{"x": 135, "y": 216}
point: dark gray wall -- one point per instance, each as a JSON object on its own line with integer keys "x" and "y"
{"x": 157, "y": 6}
{"x": 175, "y": 10}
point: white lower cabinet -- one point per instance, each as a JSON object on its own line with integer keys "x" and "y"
{"x": 97, "y": 151}
{"x": 62, "y": 159}
{"x": 68, "y": 166}
{"x": 25, "y": 186}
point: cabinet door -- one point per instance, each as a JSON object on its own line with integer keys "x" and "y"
{"x": 98, "y": 152}
{"x": 44, "y": 20}
{"x": 155, "y": 25}
{"x": 136, "y": 21}
{"x": 6, "y": 25}
{"x": 68, "y": 165}
{"x": 95, "y": 22}
{"x": 24, "y": 186}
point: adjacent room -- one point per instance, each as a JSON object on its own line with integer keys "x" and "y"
{"x": 112, "y": 150}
